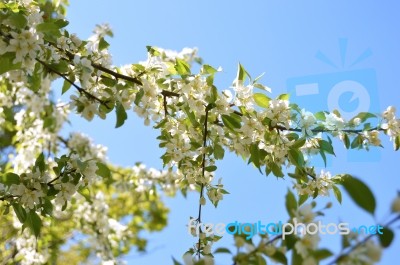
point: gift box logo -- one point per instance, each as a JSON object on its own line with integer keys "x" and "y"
{"x": 348, "y": 90}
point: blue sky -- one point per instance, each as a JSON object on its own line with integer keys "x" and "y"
{"x": 322, "y": 43}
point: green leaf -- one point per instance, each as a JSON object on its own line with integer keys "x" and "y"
{"x": 386, "y": 238}
{"x": 231, "y": 122}
{"x": 278, "y": 256}
{"x": 47, "y": 207}
{"x": 326, "y": 147}
{"x": 39, "y": 163}
{"x": 213, "y": 95}
{"x": 346, "y": 141}
{"x": 153, "y": 51}
{"x": 6, "y": 63}
{"x": 121, "y": 115}
{"x": 222, "y": 250}
{"x": 139, "y": 96}
{"x": 17, "y": 20}
{"x": 103, "y": 44}
{"x": 337, "y": 193}
{"x": 360, "y": 193}
{"x": 102, "y": 170}
{"x": 10, "y": 178}
{"x": 397, "y": 143}
{"x": 175, "y": 261}
{"x": 210, "y": 168}
{"x": 255, "y": 155}
{"x": 297, "y": 259}
{"x": 261, "y": 100}
{"x": 322, "y": 254}
{"x": 61, "y": 23}
{"x": 296, "y": 157}
{"x": 302, "y": 199}
{"x": 207, "y": 69}
{"x": 363, "y": 116}
{"x": 61, "y": 67}
{"x": 182, "y": 67}
{"x": 320, "y": 116}
{"x": 291, "y": 203}
{"x": 299, "y": 143}
{"x": 219, "y": 152}
{"x": 284, "y": 97}
{"x": 66, "y": 86}
{"x": 34, "y": 222}
{"x": 47, "y": 27}
{"x": 241, "y": 73}
{"x": 357, "y": 142}
{"x": 20, "y": 212}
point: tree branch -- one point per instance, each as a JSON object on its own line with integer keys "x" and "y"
{"x": 365, "y": 240}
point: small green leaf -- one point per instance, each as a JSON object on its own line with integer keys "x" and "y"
{"x": 222, "y": 250}
{"x": 102, "y": 170}
{"x": 302, "y": 199}
{"x": 299, "y": 143}
{"x": 397, "y": 143}
{"x": 322, "y": 254}
{"x": 66, "y": 86}
{"x": 219, "y": 152}
{"x": 386, "y": 238}
{"x": 346, "y": 141}
{"x": 9, "y": 179}
{"x": 261, "y": 100}
{"x": 18, "y": 20}
{"x": 320, "y": 116}
{"x": 296, "y": 157}
{"x": 291, "y": 203}
{"x": 39, "y": 163}
{"x": 210, "y": 168}
{"x": 284, "y": 97}
{"x": 47, "y": 207}
{"x": 182, "y": 67}
{"x": 103, "y": 44}
{"x": 20, "y": 212}
{"x": 207, "y": 69}
{"x": 34, "y": 222}
{"x": 153, "y": 51}
{"x": 278, "y": 256}
{"x": 326, "y": 147}
{"x": 360, "y": 193}
{"x": 49, "y": 28}
{"x": 139, "y": 96}
{"x": 6, "y": 63}
{"x": 363, "y": 116}
{"x": 255, "y": 155}
{"x": 241, "y": 73}
{"x": 121, "y": 115}
{"x": 231, "y": 122}
{"x": 176, "y": 262}
{"x": 337, "y": 193}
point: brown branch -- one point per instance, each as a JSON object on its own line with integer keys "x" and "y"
{"x": 203, "y": 168}
{"x": 81, "y": 90}
{"x": 352, "y": 248}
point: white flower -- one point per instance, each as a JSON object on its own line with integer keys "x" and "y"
{"x": 279, "y": 112}
{"x": 334, "y": 122}
{"x": 307, "y": 120}
{"x": 372, "y": 137}
{"x": 306, "y": 244}
{"x": 373, "y": 251}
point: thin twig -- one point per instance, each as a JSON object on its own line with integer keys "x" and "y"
{"x": 352, "y": 248}
{"x": 203, "y": 167}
